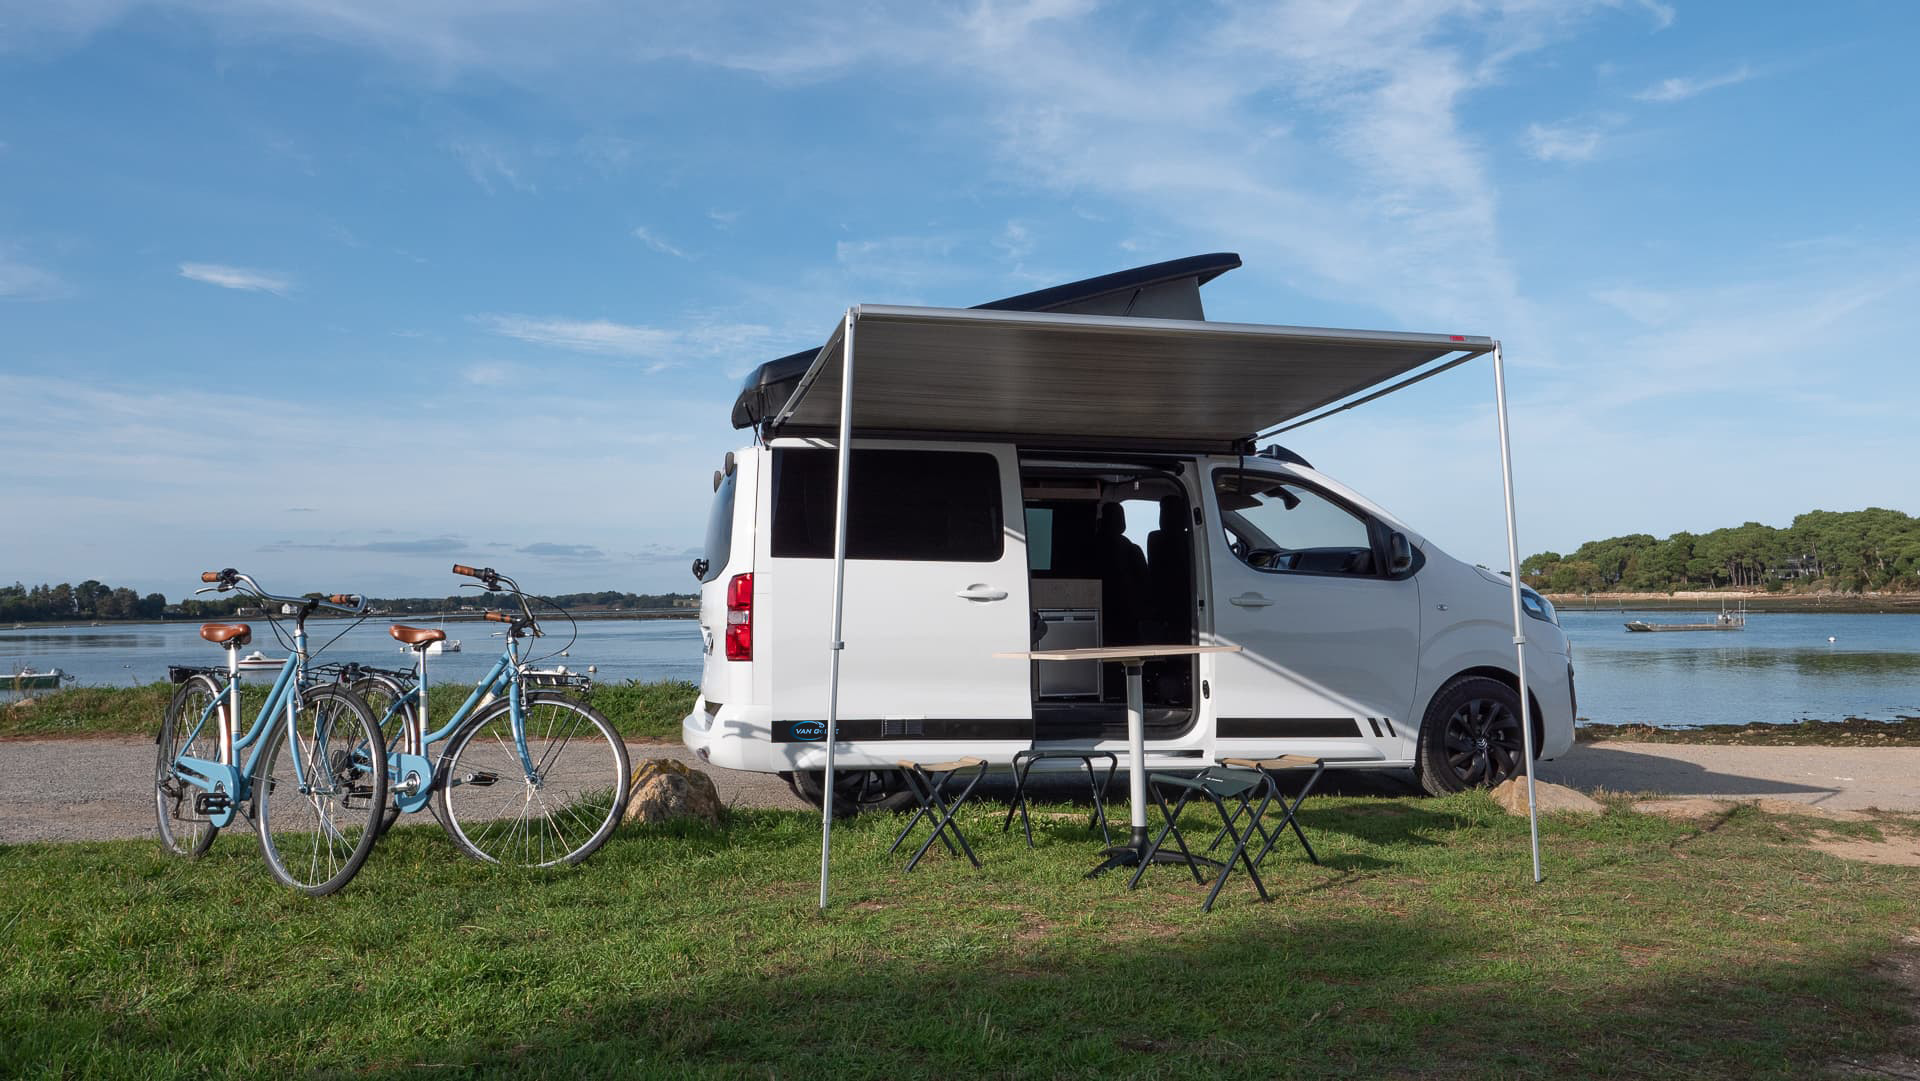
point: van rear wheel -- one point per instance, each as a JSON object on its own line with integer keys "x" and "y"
{"x": 855, "y": 790}
{"x": 1470, "y": 737}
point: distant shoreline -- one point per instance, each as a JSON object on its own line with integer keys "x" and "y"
{"x": 1697, "y": 600}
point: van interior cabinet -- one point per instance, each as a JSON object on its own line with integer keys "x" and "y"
{"x": 1068, "y": 628}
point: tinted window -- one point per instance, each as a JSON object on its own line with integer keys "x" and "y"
{"x": 1275, "y": 525}
{"x": 719, "y": 529}
{"x": 903, "y": 504}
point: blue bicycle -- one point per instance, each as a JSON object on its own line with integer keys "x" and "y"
{"x": 528, "y": 775}
{"x": 314, "y": 776}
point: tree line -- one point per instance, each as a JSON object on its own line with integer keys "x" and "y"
{"x": 1842, "y": 551}
{"x": 90, "y": 601}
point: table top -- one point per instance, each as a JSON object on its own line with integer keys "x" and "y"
{"x": 1116, "y": 653}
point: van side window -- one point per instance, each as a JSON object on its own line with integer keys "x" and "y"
{"x": 719, "y": 544}
{"x": 924, "y": 505}
{"x": 1281, "y": 526}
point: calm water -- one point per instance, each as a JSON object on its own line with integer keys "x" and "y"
{"x": 1780, "y": 669}
{"x": 649, "y": 649}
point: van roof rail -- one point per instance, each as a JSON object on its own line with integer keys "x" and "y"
{"x": 1167, "y": 290}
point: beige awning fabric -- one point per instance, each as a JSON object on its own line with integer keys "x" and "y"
{"x": 1114, "y": 380}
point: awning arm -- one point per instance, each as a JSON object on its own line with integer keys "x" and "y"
{"x": 1381, "y": 393}
{"x": 842, "y": 335}
{"x": 835, "y": 645}
{"x": 1519, "y": 621}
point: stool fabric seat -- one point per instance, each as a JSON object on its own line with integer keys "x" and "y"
{"x": 1023, "y": 765}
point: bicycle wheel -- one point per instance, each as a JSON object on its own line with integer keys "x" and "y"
{"x": 320, "y": 792}
{"x": 182, "y": 831}
{"x": 393, "y": 711}
{"x": 560, "y": 811}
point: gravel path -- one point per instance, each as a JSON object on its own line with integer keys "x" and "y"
{"x": 97, "y": 789}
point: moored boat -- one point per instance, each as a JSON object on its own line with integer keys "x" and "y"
{"x": 26, "y": 679}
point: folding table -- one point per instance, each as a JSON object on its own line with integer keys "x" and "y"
{"x": 1132, "y": 660}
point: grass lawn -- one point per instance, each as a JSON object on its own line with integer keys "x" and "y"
{"x": 639, "y": 710}
{"x": 1655, "y": 949}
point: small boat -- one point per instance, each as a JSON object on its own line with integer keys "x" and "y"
{"x": 26, "y": 679}
{"x": 445, "y": 645}
{"x": 260, "y": 662}
{"x": 1725, "y": 621}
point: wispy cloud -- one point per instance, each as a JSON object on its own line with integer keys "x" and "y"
{"x": 550, "y": 550}
{"x": 489, "y": 165}
{"x": 23, "y": 281}
{"x": 1680, "y": 88}
{"x": 647, "y": 236}
{"x": 489, "y": 374}
{"x": 1567, "y": 142}
{"x": 425, "y": 546}
{"x": 600, "y": 336}
{"x": 234, "y": 277}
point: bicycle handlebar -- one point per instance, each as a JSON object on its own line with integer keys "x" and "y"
{"x": 471, "y": 572}
{"x": 233, "y": 579}
{"x": 498, "y": 617}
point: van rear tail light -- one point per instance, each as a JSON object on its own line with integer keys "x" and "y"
{"x": 740, "y": 618}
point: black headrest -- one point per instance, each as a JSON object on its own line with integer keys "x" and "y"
{"x": 1173, "y": 513}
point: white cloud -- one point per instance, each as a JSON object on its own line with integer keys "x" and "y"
{"x": 234, "y": 277}
{"x": 646, "y": 236}
{"x": 600, "y": 336}
{"x": 1562, "y": 142}
{"x": 490, "y": 374}
{"x": 23, "y": 281}
{"x": 489, "y": 165}
{"x": 1680, "y": 88}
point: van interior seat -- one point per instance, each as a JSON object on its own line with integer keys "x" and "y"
{"x": 1170, "y": 570}
{"x": 1123, "y": 578}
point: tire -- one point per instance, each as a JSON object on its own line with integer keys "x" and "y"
{"x": 1471, "y": 736}
{"x": 856, "y": 791}
{"x": 563, "y": 814}
{"x": 182, "y": 832}
{"x": 380, "y": 694}
{"x": 315, "y": 840}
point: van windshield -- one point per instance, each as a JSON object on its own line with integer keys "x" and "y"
{"x": 720, "y": 529}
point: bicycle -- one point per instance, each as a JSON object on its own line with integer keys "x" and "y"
{"x": 314, "y": 779}
{"x": 527, "y": 776}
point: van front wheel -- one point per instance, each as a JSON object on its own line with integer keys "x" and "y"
{"x": 855, "y": 790}
{"x": 1470, "y": 737}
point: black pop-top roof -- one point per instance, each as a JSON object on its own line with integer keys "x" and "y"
{"x": 1169, "y": 290}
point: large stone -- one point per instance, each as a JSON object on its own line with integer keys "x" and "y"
{"x": 1702, "y": 807}
{"x": 1550, "y": 798}
{"x": 662, "y": 790}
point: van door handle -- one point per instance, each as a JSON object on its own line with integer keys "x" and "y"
{"x": 980, "y": 591}
{"x": 1249, "y": 600}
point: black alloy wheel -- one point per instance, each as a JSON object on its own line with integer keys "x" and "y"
{"x": 856, "y": 790}
{"x": 1471, "y": 737}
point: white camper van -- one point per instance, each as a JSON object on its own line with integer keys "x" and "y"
{"x": 1079, "y": 467}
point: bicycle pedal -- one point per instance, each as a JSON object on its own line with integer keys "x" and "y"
{"x": 212, "y": 803}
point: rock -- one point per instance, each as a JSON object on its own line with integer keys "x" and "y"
{"x": 1808, "y": 810}
{"x": 662, "y": 789}
{"x": 1550, "y": 798}
{"x": 1682, "y": 808}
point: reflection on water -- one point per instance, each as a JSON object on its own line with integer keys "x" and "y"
{"x": 1781, "y": 668}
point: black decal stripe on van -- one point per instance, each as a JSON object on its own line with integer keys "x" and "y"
{"x": 1388, "y": 721}
{"x": 930, "y": 728}
{"x": 1375, "y": 725}
{"x": 1287, "y": 727}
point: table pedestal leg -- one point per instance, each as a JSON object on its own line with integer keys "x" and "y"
{"x": 1128, "y": 855}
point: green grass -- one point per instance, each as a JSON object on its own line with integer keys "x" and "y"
{"x": 1419, "y": 950}
{"x": 639, "y": 710}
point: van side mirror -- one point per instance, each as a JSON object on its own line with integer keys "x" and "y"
{"x": 1399, "y": 554}
{"x": 700, "y": 569}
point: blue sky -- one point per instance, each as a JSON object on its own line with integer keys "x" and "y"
{"x": 339, "y": 291}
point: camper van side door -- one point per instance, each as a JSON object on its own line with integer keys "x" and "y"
{"x": 1330, "y": 635}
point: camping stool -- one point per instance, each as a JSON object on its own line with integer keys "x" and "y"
{"x": 928, "y": 780}
{"x": 1216, "y": 786}
{"x": 1023, "y": 765}
{"x": 1267, "y": 767}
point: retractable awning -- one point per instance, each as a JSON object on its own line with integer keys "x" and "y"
{"x": 1119, "y": 381}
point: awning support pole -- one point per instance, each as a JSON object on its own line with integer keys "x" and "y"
{"x": 1519, "y": 630}
{"x": 835, "y": 646}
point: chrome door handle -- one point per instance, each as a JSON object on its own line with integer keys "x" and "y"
{"x": 980, "y": 591}
{"x": 1249, "y": 600}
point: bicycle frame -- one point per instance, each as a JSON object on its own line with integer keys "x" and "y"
{"x": 228, "y": 775}
{"x": 416, "y": 773}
